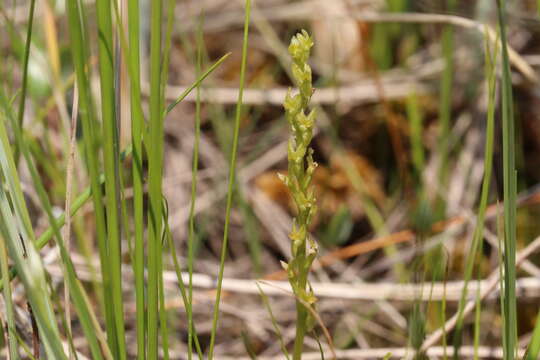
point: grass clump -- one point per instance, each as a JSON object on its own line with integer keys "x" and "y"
{"x": 298, "y": 180}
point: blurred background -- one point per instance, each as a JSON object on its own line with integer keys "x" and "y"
{"x": 402, "y": 100}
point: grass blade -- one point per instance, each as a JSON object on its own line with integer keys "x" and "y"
{"x": 137, "y": 121}
{"x": 25, "y": 62}
{"x": 91, "y": 147}
{"x": 183, "y": 292}
{"x": 155, "y": 165}
{"x": 8, "y": 301}
{"x": 110, "y": 157}
{"x": 82, "y": 307}
{"x": 194, "y": 174}
{"x": 478, "y": 235}
{"x": 17, "y": 232}
{"x": 232, "y": 173}
{"x": 509, "y": 188}
{"x": 197, "y": 83}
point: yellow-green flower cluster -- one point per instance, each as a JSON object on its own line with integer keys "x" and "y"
{"x": 301, "y": 166}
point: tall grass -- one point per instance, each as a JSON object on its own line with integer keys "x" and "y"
{"x": 137, "y": 121}
{"x": 79, "y": 53}
{"x": 478, "y": 235}
{"x": 155, "y": 166}
{"x": 15, "y": 225}
{"x": 509, "y": 313}
{"x": 24, "y": 87}
{"x": 194, "y": 173}
{"x": 534, "y": 346}
{"x": 18, "y": 235}
{"x": 110, "y": 135}
{"x": 533, "y": 349}
{"x": 232, "y": 175}
{"x": 10, "y": 317}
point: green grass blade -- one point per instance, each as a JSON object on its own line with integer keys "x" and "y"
{"x": 16, "y": 229}
{"x": 274, "y": 322}
{"x": 477, "y": 319}
{"x": 74, "y": 286}
{"x": 171, "y": 4}
{"x": 8, "y": 301}
{"x": 91, "y": 147}
{"x": 163, "y": 315}
{"x": 155, "y": 168}
{"x": 20, "y": 115}
{"x": 85, "y": 195}
{"x": 491, "y": 76}
{"x": 197, "y": 83}
{"x": 12, "y": 336}
{"x": 194, "y": 174}
{"x": 25, "y": 347}
{"x": 137, "y": 122}
{"x": 183, "y": 292}
{"x": 509, "y": 189}
{"x": 77, "y": 204}
{"x": 534, "y": 345}
{"x": 110, "y": 157}
{"x": 232, "y": 173}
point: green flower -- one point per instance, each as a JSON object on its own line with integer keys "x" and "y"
{"x": 300, "y": 171}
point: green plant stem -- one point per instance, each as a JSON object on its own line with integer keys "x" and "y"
{"x": 194, "y": 173}
{"x": 478, "y": 234}
{"x": 162, "y": 311}
{"x": 85, "y": 195}
{"x": 163, "y": 82}
{"x": 74, "y": 286}
{"x": 7, "y": 291}
{"x": 24, "y": 87}
{"x": 182, "y": 286}
{"x": 138, "y": 142}
{"x": 196, "y": 83}
{"x": 301, "y": 324}
{"x": 110, "y": 157}
{"x": 155, "y": 166}
{"x": 300, "y": 171}
{"x": 137, "y": 121}
{"x": 10, "y": 316}
{"x": 91, "y": 148}
{"x": 509, "y": 190}
{"x": 232, "y": 173}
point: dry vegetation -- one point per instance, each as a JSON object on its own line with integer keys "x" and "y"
{"x": 403, "y": 104}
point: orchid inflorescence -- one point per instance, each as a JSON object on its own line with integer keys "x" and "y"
{"x": 300, "y": 168}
